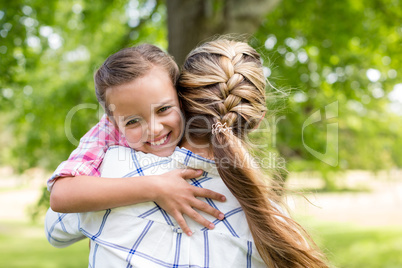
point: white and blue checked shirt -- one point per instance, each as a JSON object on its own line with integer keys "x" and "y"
{"x": 144, "y": 235}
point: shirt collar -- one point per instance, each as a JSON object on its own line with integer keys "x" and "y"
{"x": 192, "y": 160}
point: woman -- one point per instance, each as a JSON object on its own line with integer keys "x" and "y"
{"x": 221, "y": 89}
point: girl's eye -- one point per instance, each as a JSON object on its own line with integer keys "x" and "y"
{"x": 132, "y": 122}
{"x": 161, "y": 110}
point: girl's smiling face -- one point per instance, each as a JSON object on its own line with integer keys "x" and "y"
{"x": 147, "y": 112}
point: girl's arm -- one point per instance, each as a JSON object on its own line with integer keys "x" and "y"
{"x": 170, "y": 191}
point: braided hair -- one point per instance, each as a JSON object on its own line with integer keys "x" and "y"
{"x": 223, "y": 82}
{"x": 228, "y": 86}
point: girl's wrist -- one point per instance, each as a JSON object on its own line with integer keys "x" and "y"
{"x": 153, "y": 188}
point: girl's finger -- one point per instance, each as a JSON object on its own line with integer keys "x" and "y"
{"x": 182, "y": 223}
{"x": 202, "y": 206}
{"x": 193, "y": 214}
{"x": 206, "y": 193}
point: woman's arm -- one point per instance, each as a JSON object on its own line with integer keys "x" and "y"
{"x": 170, "y": 191}
{"x": 62, "y": 230}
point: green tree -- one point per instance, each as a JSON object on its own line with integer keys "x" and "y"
{"x": 317, "y": 52}
{"x": 50, "y": 50}
{"x": 344, "y": 51}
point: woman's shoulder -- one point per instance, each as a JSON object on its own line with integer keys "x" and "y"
{"x": 188, "y": 159}
{"x": 120, "y": 161}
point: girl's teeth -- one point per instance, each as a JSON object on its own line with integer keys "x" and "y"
{"x": 160, "y": 141}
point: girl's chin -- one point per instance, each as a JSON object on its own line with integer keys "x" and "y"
{"x": 161, "y": 151}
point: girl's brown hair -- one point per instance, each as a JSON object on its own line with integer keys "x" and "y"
{"x": 129, "y": 64}
{"x": 223, "y": 82}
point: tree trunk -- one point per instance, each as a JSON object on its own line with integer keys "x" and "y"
{"x": 190, "y": 22}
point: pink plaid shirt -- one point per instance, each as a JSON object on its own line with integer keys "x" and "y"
{"x": 87, "y": 157}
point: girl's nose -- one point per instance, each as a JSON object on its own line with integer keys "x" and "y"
{"x": 155, "y": 128}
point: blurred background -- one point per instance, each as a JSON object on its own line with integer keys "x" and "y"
{"x": 336, "y": 125}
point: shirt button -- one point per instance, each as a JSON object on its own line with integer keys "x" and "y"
{"x": 177, "y": 229}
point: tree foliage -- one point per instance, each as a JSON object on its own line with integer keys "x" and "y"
{"x": 344, "y": 51}
{"x": 50, "y": 50}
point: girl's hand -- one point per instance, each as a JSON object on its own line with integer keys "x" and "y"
{"x": 178, "y": 197}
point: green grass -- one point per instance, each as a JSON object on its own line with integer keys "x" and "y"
{"x": 351, "y": 246}
{"x": 347, "y": 246}
{"x": 25, "y": 245}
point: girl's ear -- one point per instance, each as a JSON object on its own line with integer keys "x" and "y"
{"x": 259, "y": 122}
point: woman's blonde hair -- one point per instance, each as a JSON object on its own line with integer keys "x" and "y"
{"x": 222, "y": 82}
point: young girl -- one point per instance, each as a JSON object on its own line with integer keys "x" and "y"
{"x": 222, "y": 92}
{"x": 136, "y": 87}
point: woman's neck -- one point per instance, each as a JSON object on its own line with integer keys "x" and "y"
{"x": 200, "y": 147}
